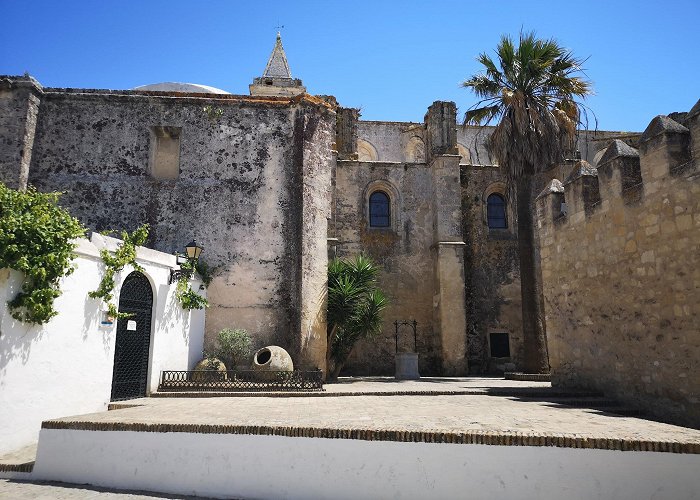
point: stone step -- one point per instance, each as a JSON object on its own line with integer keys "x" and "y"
{"x": 528, "y": 377}
{"x": 19, "y": 460}
{"x": 25, "y": 467}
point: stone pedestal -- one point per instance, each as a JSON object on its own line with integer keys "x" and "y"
{"x": 407, "y": 366}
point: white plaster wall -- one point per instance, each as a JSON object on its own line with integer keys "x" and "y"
{"x": 244, "y": 466}
{"x": 65, "y": 366}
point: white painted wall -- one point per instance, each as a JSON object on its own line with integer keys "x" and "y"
{"x": 65, "y": 366}
{"x": 244, "y": 466}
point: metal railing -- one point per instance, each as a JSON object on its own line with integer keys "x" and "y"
{"x": 242, "y": 381}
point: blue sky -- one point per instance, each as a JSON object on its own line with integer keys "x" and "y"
{"x": 392, "y": 59}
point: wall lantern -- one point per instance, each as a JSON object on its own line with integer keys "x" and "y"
{"x": 192, "y": 253}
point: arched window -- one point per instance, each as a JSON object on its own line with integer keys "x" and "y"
{"x": 379, "y": 210}
{"x": 496, "y": 211}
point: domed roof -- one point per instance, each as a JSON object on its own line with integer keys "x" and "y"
{"x": 181, "y": 87}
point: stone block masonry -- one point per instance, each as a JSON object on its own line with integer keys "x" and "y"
{"x": 248, "y": 177}
{"x": 621, "y": 272}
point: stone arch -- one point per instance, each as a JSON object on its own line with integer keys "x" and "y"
{"x": 415, "y": 150}
{"x": 464, "y": 152}
{"x": 390, "y": 190}
{"x": 134, "y": 335}
{"x": 500, "y": 189}
{"x": 366, "y": 151}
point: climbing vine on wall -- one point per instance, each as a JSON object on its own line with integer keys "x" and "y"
{"x": 36, "y": 238}
{"x": 189, "y": 299}
{"x": 124, "y": 255}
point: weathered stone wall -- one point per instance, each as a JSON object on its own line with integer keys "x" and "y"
{"x": 403, "y": 252}
{"x": 393, "y": 140}
{"x": 491, "y": 270}
{"x": 252, "y": 189}
{"x": 421, "y": 253}
{"x": 19, "y": 105}
{"x": 621, "y": 272}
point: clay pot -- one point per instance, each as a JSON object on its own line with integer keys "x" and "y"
{"x": 272, "y": 359}
{"x": 204, "y": 374}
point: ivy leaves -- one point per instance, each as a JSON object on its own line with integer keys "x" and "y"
{"x": 189, "y": 299}
{"x": 124, "y": 255}
{"x": 36, "y": 238}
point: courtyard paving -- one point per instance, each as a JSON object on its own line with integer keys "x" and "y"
{"x": 490, "y": 405}
{"x": 456, "y": 406}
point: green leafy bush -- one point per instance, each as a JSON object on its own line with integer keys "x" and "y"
{"x": 232, "y": 347}
{"x": 36, "y": 238}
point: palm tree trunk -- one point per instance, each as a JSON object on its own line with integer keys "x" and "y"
{"x": 536, "y": 359}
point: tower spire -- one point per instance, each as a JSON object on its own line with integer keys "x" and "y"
{"x": 277, "y": 65}
{"x": 277, "y": 78}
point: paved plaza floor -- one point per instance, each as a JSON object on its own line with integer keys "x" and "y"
{"x": 467, "y": 406}
{"x": 431, "y": 405}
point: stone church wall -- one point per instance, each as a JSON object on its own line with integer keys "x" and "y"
{"x": 403, "y": 252}
{"x": 248, "y": 178}
{"x": 492, "y": 272}
{"x": 621, "y": 272}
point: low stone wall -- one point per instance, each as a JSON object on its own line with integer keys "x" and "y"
{"x": 280, "y": 466}
{"x": 621, "y": 272}
{"x": 64, "y": 367}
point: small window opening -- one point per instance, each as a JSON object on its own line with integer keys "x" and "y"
{"x": 496, "y": 212}
{"x": 500, "y": 347}
{"x": 562, "y": 207}
{"x": 164, "y": 162}
{"x": 379, "y": 210}
{"x": 268, "y": 82}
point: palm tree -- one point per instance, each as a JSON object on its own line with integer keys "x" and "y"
{"x": 532, "y": 92}
{"x": 355, "y": 306}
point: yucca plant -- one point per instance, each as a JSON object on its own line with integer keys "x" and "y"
{"x": 531, "y": 94}
{"x": 355, "y": 305}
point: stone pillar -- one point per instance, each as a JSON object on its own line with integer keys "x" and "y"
{"x": 448, "y": 247}
{"x": 318, "y": 157}
{"x": 665, "y": 149}
{"x": 19, "y": 109}
{"x": 581, "y": 190}
{"x": 693, "y": 124}
{"x": 346, "y": 133}
{"x": 441, "y": 129}
{"x": 619, "y": 173}
{"x": 449, "y": 299}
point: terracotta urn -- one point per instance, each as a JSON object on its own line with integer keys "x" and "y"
{"x": 272, "y": 359}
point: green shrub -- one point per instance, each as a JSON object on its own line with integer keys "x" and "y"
{"x": 36, "y": 238}
{"x": 232, "y": 347}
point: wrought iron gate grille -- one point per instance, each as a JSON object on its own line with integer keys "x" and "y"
{"x": 131, "y": 352}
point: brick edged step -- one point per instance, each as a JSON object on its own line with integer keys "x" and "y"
{"x": 25, "y": 467}
{"x": 528, "y": 377}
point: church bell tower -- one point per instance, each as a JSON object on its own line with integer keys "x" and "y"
{"x": 277, "y": 79}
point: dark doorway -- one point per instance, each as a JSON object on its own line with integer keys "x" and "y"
{"x": 129, "y": 378}
{"x": 500, "y": 347}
